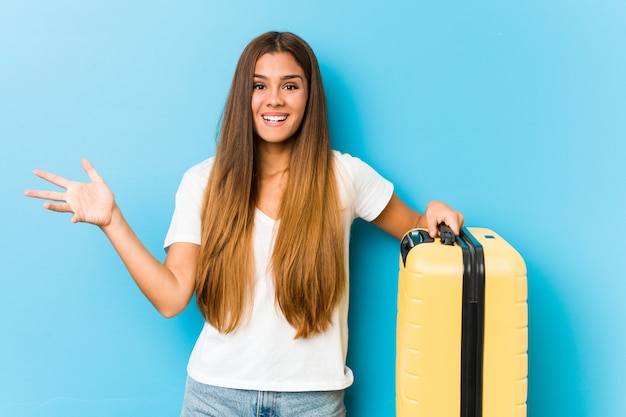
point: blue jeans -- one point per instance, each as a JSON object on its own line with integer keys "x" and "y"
{"x": 203, "y": 400}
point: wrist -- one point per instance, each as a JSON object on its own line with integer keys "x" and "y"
{"x": 115, "y": 221}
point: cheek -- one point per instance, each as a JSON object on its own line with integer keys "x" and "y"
{"x": 255, "y": 124}
{"x": 254, "y": 103}
{"x": 301, "y": 105}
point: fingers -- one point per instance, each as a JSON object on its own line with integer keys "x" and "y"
{"x": 52, "y": 178}
{"x": 61, "y": 182}
{"x": 432, "y": 223}
{"x": 454, "y": 220}
{"x": 460, "y": 222}
{"x": 45, "y": 195}
{"x": 454, "y": 224}
{"x": 60, "y": 208}
{"x": 53, "y": 196}
{"x": 90, "y": 171}
{"x": 438, "y": 213}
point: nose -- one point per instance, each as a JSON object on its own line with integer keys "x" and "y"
{"x": 275, "y": 97}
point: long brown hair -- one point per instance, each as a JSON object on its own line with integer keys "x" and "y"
{"x": 308, "y": 258}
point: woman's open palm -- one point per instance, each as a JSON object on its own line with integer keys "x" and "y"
{"x": 91, "y": 202}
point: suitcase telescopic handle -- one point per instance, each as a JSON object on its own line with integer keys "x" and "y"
{"x": 446, "y": 234}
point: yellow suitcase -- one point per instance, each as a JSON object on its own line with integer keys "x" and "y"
{"x": 462, "y": 326}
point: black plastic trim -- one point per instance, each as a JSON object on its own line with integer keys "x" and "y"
{"x": 446, "y": 234}
{"x": 412, "y": 239}
{"x": 473, "y": 325}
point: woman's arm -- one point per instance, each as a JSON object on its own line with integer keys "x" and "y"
{"x": 168, "y": 286}
{"x": 397, "y": 218}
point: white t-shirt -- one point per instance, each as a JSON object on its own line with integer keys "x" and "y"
{"x": 262, "y": 354}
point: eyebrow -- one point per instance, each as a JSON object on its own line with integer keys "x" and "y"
{"x": 283, "y": 78}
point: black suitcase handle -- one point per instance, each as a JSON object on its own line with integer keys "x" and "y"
{"x": 417, "y": 236}
{"x": 446, "y": 234}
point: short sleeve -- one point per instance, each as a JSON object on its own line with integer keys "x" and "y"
{"x": 363, "y": 188}
{"x": 185, "y": 225}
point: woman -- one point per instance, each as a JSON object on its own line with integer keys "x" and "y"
{"x": 260, "y": 234}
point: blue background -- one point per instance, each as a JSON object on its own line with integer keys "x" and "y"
{"x": 513, "y": 112}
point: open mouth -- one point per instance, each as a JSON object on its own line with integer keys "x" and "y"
{"x": 275, "y": 119}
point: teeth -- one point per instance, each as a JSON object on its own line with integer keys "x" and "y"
{"x": 275, "y": 119}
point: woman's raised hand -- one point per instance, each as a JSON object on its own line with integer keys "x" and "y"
{"x": 91, "y": 202}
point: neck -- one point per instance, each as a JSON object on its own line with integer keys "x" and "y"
{"x": 273, "y": 158}
{"x": 273, "y": 171}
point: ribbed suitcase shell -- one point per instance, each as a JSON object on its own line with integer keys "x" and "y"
{"x": 428, "y": 346}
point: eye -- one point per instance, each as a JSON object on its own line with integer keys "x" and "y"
{"x": 258, "y": 86}
{"x": 291, "y": 87}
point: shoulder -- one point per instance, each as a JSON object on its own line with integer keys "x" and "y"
{"x": 199, "y": 173}
{"x": 195, "y": 179}
{"x": 352, "y": 168}
{"x": 346, "y": 164}
{"x": 362, "y": 187}
{"x": 344, "y": 159}
{"x": 201, "y": 169}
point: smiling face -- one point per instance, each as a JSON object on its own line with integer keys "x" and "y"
{"x": 279, "y": 98}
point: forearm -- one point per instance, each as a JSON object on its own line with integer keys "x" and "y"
{"x": 157, "y": 282}
{"x": 397, "y": 218}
